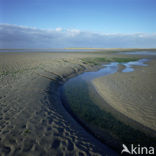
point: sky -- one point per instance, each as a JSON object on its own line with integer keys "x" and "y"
{"x": 77, "y": 23}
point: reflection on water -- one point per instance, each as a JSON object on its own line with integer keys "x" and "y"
{"x": 128, "y": 65}
{"x": 110, "y": 68}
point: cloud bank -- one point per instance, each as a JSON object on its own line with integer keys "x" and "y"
{"x": 13, "y": 36}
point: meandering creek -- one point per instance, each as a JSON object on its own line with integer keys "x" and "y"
{"x": 76, "y": 89}
{"x": 107, "y": 69}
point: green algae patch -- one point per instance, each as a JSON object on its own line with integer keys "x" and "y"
{"x": 99, "y": 60}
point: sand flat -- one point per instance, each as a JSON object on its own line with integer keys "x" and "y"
{"x": 32, "y": 118}
{"x": 132, "y": 94}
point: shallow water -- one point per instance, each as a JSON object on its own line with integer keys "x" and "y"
{"x": 110, "y": 68}
{"x": 129, "y": 68}
{"x": 139, "y": 53}
{"x": 107, "y": 69}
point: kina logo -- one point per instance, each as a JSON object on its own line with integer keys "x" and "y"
{"x": 135, "y": 150}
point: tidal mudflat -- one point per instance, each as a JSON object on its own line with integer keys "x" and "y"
{"x": 33, "y": 120}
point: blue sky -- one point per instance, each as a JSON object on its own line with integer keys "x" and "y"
{"x": 105, "y": 17}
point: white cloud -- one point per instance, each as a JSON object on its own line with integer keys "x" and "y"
{"x": 13, "y": 36}
{"x": 59, "y": 29}
{"x": 73, "y": 32}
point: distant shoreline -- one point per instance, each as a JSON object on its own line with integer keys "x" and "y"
{"x": 83, "y": 48}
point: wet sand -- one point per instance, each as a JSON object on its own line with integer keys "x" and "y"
{"x": 132, "y": 94}
{"x": 32, "y": 118}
